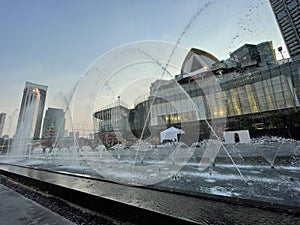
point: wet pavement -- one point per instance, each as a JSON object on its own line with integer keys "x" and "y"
{"x": 147, "y": 202}
{"x": 15, "y": 209}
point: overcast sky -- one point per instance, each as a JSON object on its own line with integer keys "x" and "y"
{"x": 53, "y": 42}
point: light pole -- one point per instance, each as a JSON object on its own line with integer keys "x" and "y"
{"x": 280, "y": 50}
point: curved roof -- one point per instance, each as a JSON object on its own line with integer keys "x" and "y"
{"x": 197, "y": 59}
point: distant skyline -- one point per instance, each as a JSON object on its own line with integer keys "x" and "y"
{"x": 53, "y": 42}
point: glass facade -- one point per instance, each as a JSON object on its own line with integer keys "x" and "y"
{"x": 287, "y": 14}
{"x": 111, "y": 124}
{"x": 33, "y": 104}
{"x": 250, "y": 93}
{"x": 2, "y": 121}
{"x": 54, "y": 118}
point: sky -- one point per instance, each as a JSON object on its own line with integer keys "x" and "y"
{"x": 54, "y": 42}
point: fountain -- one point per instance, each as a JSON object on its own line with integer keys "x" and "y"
{"x": 21, "y": 146}
{"x": 111, "y": 68}
{"x": 134, "y": 155}
{"x": 272, "y": 147}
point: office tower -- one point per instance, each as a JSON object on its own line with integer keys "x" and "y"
{"x": 54, "y": 119}
{"x": 2, "y": 121}
{"x": 31, "y": 111}
{"x": 287, "y": 14}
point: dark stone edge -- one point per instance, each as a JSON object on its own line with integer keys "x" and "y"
{"x": 57, "y": 205}
{"x": 204, "y": 196}
{"x": 117, "y": 210}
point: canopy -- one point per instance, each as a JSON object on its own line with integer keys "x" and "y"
{"x": 170, "y": 134}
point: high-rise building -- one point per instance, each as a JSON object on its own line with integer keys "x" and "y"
{"x": 31, "y": 111}
{"x": 2, "y": 121}
{"x": 54, "y": 119}
{"x": 287, "y": 14}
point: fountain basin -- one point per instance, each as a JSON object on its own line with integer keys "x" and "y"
{"x": 145, "y": 205}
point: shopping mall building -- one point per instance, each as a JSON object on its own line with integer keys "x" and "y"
{"x": 251, "y": 90}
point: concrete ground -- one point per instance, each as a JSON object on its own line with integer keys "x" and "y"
{"x": 15, "y": 209}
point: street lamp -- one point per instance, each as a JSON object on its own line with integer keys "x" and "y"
{"x": 280, "y": 50}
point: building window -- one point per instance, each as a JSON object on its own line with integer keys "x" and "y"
{"x": 251, "y": 99}
{"x": 281, "y": 14}
{"x": 235, "y": 101}
{"x": 292, "y": 5}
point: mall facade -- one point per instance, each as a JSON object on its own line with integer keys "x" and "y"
{"x": 250, "y": 90}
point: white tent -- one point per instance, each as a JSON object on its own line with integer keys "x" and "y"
{"x": 170, "y": 134}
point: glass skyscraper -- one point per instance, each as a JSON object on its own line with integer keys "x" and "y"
{"x": 2, "y": 120}
{"x": 31, "y": 111}
{"x": 55, "y": 119}
{"x": 287, "y": 13}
